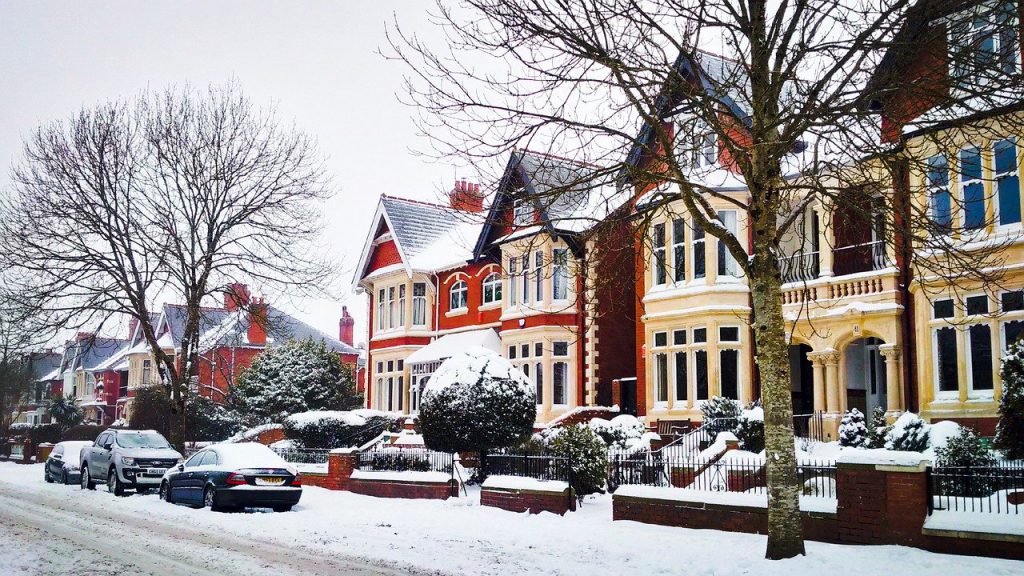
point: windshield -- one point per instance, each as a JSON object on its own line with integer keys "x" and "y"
{"x": 150, "y": 440}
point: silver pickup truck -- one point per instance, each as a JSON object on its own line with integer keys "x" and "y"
{"x": 127, "y": 459}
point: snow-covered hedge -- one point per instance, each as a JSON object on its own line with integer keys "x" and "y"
{"x": 623, "y": 432}
{"x": 328, "y": 429}
{"x": 251, "y": 434}
{"x": 476, "y": 401}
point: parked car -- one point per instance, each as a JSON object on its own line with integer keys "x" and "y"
{"x": 62, "y": 464}
{"x": 226, "y": 477}
{"x": 124, "y": 459}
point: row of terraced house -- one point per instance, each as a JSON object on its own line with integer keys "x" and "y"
{"x": 103, "y": 374}
{"x": 655, "y": 322}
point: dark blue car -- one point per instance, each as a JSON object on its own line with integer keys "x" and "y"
{"x": 227, "y": 477}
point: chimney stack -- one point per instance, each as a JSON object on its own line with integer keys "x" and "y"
{"x": 133, "y": 324}
{"x": 466, "y": 197}
{"x": 236, "y": 296}
{"x": 257, "y": 332}
{"x": 346, "y": 326}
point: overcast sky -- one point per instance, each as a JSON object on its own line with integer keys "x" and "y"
{"x": 316, "y": 61}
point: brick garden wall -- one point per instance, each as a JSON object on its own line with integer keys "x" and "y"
{"x": 533, "y": 501}
{"x": 876, "y": 505}
{"x": 396, "y": 489}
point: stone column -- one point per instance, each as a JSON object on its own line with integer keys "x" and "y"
{"x": 825, "y": 241}
{"x": 830, "y": 358}
{"x": 818, "y": 365}
{"x": 893, "y": 389}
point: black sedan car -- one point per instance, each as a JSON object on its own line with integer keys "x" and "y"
{"x": 62, "y": 464}
{"x": 226, "y": 477}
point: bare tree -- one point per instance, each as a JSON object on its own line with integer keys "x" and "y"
{"x": 788, "y": 93}
{"x": 178, "y": 194}
{"x": 19, "y": 334}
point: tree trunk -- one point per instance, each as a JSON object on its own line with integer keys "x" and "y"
{"x": 785, "y": 531}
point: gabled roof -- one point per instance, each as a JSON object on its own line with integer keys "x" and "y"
{"x": 174, "y": 317}
{"x": 45, "y": 366}
{"x": 89, "y": 353}
{"x": 427, "y": 236}
{"x": 233, "y": 331}
{"x": 569, "y": 195}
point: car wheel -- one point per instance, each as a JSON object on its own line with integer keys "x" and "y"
{"x": 114, "y": 485}
{"x": 46, "y": 475}
{"x": 87, "y": 483}
{"x": 210, "y": 499}
{"x": 165, "y": 493}
{"x": 282, "y": 508}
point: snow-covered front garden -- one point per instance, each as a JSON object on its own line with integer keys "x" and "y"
{"x": 459, "y": 536}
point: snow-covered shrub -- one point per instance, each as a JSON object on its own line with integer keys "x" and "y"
{"x": 327, "y": 429}
{"x": 853, "y": 433}
{"x": 208, "y": 421}
{"x": 878, "y": 428}
{"x": 476, "y": 401}
{"x": 624, "y": 432}
{"x": 750, "y": 429}
{"x": 720, "y": 412}
{"x": 588, "y": 456}
{"x": 965, "y": 450}
{"x": 909, "y": 434}
{"x": 820, "y": 486}
{"x": 1010, "y": 429}
{"x": 297, "y": 376}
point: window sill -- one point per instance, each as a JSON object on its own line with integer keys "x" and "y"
{"x": 490, "y": 306}
{"x": 456, "y": 312}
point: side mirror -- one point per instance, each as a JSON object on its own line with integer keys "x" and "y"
{"x": 181, "y": 467}
{"x": 56, "y": 456}
{"x": 108, "y": 445}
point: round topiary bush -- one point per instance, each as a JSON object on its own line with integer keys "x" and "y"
{"x": 476, "y": 401}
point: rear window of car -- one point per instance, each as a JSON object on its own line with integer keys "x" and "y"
{"x": 151, "y": 440}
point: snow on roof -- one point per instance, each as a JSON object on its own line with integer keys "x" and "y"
{"x": 450, "y": 344}
{"x": 88, "y": 353}
{"x": 454, "y": 247}
{"x": 234, "y": 331}
{"x": 114, "y": 362}
{"x": 473, "y": 363}
{"x": 52, "y": 375}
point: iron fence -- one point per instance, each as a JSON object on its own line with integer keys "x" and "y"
{"x": 747, "y": 475}
{"x": 303, "y": 455}
{"x": 537, "y": 466}
{"x": 995, "y": 489}
{"x": 392, "y": 459}
{"x": 810, "y": 426}
{"x": 799, "y": 267}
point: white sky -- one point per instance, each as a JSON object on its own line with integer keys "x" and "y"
{"x": 315, "y": 60}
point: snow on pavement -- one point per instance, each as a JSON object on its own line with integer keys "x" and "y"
{"x": 460, "y": 537}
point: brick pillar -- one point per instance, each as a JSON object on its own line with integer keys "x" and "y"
{"x": 881, "y": 504}
{"x": 340, "y": 464}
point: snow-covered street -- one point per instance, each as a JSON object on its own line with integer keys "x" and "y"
{"x": 54, "y": 529}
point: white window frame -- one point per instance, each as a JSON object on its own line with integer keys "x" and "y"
{"x": 963, "y": 182}
{"x": 969, "y": 322}
{"x": 492, "y": 288}
{"x": 538, "y": 278}
{"x": 656, "y": 352}
{"x": 459, "y": 290}
{"x": 678, "y": 245}
{"x": 567, "y": 383}
{"x": 731, "y": 266}
{"x": 698, "y": 244}
{"x": 560, "y": 274}
{"x": 381, "y": 319}
{"x": 401, "y": 305}
{"x": 659, "y": 262}
{"x": 391, "y": 307}
{"x": 419, "y": 305}
{"x": 522, "y": 212}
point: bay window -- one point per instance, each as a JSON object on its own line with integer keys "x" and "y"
{"x": 700, "y": 363}
{"x": 697, "y": 245}
{"x": 513, "y": 281}
{"x": 659, "y": 262}
{"x": 380, "y": 310}
{"x": 401, "y": 305}
{"x": 727, "y": 265}
{"x": 538, "y": 275}
{"x": 391, "y": 307}
{"x": 419, "y": 304}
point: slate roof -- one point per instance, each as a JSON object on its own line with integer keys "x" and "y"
{"x": 89, "y": 353}
{"x": 46, "y": 365}
{"x": 234, "y": 327}
{"x": 175, "y": 316}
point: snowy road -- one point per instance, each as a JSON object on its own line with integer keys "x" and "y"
{"x": 54, "y": 529}
{"x": 44, "y": 533}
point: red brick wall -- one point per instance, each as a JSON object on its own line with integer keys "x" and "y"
{"x": 395, "y": 489}
{"x": 473, "y": 275}
{"x": 528, "y": 501}
{"x": 384, "y": 254}
{"x": 615, "y": 292}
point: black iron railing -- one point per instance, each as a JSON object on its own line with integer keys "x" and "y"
{"x": 728, "y": 474}
{"x": 811, "y": 426}
{"x": 859, "y": 258}
{"x": 537, "y": 466}
{"x": 303, "y": 455}
{"x": 799, "y": 267}
{"x": 391, "y": 459}
{"x": 990, "y": 489}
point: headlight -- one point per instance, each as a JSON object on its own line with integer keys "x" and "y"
{"x": 127, "y": 461}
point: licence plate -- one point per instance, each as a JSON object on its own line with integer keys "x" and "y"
{"x": 269, "y": 481}
{"x": 156, "y": 471}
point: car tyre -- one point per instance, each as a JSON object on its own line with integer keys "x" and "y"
{"x": 114, "y": 485}
{"x": 210, "y": 499}
{"x": 165, "y": 493}
{"x": 282, "y": 508}
{"x": 46, "y": 475}
{"x": 87, "y": 483}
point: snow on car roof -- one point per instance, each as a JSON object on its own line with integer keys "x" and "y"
{"x": 74, "y": 447}
{"x": 248, "y": 455}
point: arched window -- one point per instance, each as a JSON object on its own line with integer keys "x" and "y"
{"x": 457, "y": 296}
{"x": 492, "y": 288}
